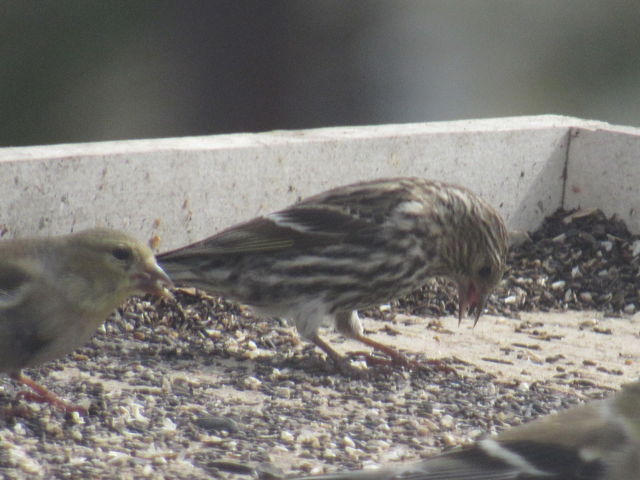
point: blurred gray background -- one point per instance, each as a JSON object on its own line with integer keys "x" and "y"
{"x": 87, "y": 70}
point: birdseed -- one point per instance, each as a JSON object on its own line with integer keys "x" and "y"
{"x": 199, "y": 388}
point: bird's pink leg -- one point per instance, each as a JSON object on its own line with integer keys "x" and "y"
{"x": 397, "y": 358}
{"x": 349, "y": 325}
{"x": 41, "y": 394}
{"x": 342, "y": 363}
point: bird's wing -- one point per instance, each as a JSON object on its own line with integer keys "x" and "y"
{"x": 310, "y": 221}
{"x": 16, "y": 283}
{"x": 350, "y": 213}
{"x": 373, "y": 202}
{"x": 295, "y": 227}
{"x": 22, "y": 310}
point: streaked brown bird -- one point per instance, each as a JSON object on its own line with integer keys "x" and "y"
{"x": 596, "y": 441}
{"x": 349, "y": 248}
{"x": 55, "y": 292}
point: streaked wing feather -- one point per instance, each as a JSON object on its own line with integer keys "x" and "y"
{"x": 322, "y": 221}
{"x": 288, "y": 229}
{"x": 364, "y": 201}
{"x": 476, "y": 464}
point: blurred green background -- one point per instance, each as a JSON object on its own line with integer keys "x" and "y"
{"x": 86, "y": 70}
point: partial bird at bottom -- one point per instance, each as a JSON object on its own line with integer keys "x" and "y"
{"x": 596, "y": 441}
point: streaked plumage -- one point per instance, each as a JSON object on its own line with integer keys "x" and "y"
{"x": 55, "y": 292}
{"x": 596, "y": 441}
{"x": 349, "y": 248}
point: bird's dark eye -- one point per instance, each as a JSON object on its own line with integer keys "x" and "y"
{"x": 485, "y": 272}
{"x": 123, "y": 254}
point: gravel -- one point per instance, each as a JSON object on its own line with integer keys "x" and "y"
{"x": 198, "y": 388}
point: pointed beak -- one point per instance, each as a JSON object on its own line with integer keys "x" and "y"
{"x": 476, "y": 310}
{"x": 470, "y": 301}
{"x": 152, "y": 279}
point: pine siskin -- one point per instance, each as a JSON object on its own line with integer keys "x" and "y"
{"x": 55, "y": 292}
{"x": 351, "y": 247}
{"x": 596, "y": 441}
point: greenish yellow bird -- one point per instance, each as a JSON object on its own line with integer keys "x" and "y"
{"x": 56, "y": 291}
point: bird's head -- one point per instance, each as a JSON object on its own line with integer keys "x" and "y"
{"x": 479, "y": 255}
{"x": 117, "y": 265}
{"x": 476, "y": 285}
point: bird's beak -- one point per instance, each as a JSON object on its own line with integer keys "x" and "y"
{"x": 153, "y": 280}
{"x": 470, "y": 300}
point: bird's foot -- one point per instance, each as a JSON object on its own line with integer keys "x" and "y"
{"x": 396, "y": 358}
{"x": 51, "y": 399}
{"x": 372, "y": 358}
{"x": 400, "y": 360}
{"x": 40, "y": 394}
{"x": 343, "y": 364}
{"x": 348, "y": 369}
